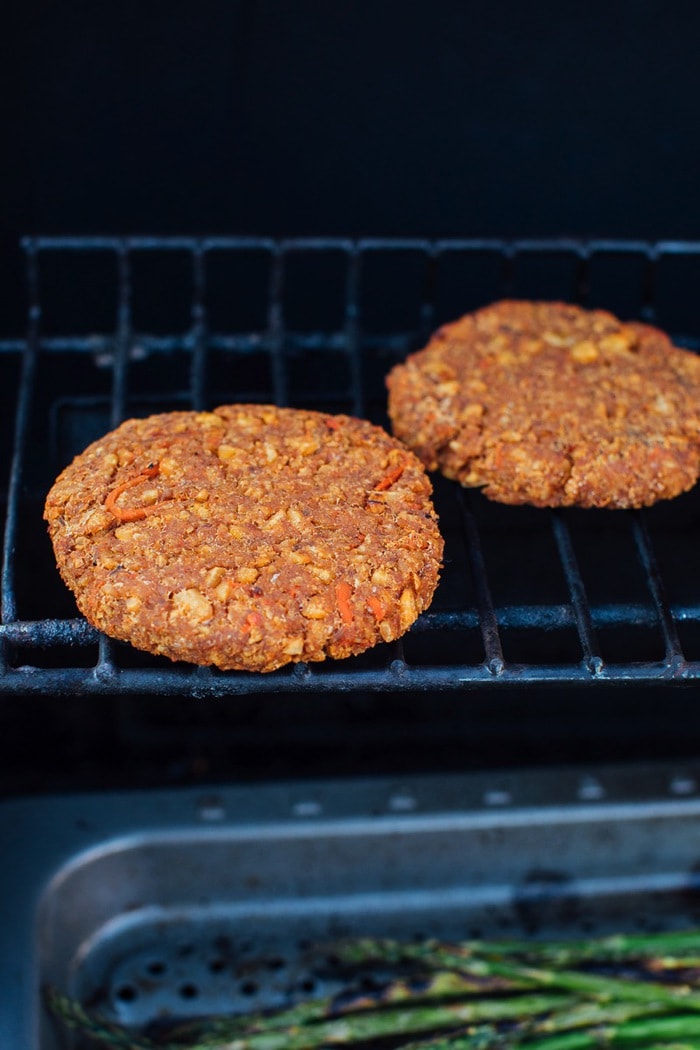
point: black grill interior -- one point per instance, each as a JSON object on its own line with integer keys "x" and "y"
{"x": 532, "y": 602}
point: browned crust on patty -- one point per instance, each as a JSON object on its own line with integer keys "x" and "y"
{"x": 549, "y": 404}
{"x": 247, "y": 537}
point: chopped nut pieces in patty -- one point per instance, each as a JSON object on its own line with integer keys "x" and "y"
{"x": 552, "y": 405}
{"x": 247, "y": 537}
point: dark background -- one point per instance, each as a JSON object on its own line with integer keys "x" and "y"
{"x": 383, "y": 117}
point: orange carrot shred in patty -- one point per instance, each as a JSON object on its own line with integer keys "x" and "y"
{"x": 343, "y": 591}
{"x": 376, "y": 607}
{"x": 253, "y": 619}
{"x": 390, "y": 477}
{"x": 132, "y": 513}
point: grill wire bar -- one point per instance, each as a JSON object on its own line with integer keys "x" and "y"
{"x": 124, "y": 338}
{"x": 198, "y": 381}
{"x": 488, "y": 620}
{"x": 674, "y": 652}
{"x": 276, "y": 328}
{"x": 8, "y": 603}
{"x": 579, "y": 601}
{"x": 352, "y": 332}
{"x": 363, "y": 348}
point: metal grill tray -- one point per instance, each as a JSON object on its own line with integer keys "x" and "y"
{"x": 124, "y": 326}
{"x": 188, "y": 902}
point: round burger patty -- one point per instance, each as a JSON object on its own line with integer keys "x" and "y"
{"x": 549, "y": 404}
{"x": 247, "y": 537}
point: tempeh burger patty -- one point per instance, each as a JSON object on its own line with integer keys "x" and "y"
{"x": 247, "y": 537}
{"x": 550, "y": 404}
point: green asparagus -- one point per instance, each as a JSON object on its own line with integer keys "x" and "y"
{"x": 468, "y": 995}
{"x": 684, "y": 1028}
{"x": 438, "y": 985}
{"x": 678, "y": 945}
{"x": 338, "y": 1031}
{"x": 434, "y": 953}
{"x": 77, "y": 1018}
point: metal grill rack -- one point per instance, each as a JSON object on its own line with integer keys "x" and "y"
{"x": 123, "y": 326}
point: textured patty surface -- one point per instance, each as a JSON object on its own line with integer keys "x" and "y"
{"x": 549, "y": 404}
{"x": 247, "y": 537}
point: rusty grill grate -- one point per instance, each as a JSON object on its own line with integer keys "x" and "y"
{"x": 124, "y": 326}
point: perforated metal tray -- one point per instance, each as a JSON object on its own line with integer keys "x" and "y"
{"x": 185, "y": 902}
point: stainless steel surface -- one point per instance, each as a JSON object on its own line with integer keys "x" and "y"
{"x": 189, "y": 901}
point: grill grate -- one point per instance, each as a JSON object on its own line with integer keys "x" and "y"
{"x": 127, "y": 326}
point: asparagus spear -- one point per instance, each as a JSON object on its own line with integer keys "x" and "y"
{"x": 457, "y": 968}
{"x": 676, "y": 945}
{"x": 684, "y": 1028}
{"x": 438, "y": 985}
{"x": 434, "y": 953}
{"x": 589, "y": 1039}
{"x": 338, "y": 1031}
{"x": 675, "y": 948}
{"x": 608, "y": 988}
{"x": 484, "y": 1037}
{"x": 236, "y": 1031}
{"x": 75, "y": 1017}
{"x": 579, "y": 1016}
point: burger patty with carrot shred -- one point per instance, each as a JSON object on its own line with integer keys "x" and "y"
{"x": 248, "y": 537}
{"x": 556, "y": 406}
